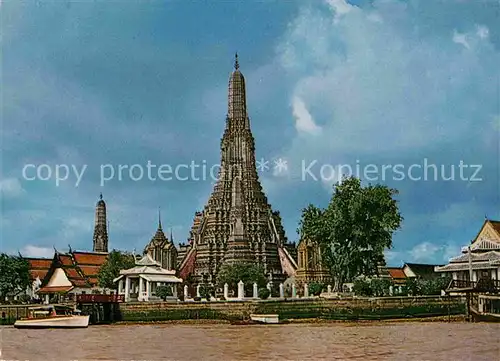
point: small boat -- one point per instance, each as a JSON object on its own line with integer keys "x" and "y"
{"x": 273, "y": 318}
{"x": 53, "y": 317}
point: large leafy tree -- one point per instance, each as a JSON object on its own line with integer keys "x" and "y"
{"x": 110, "y": 270}
{"x": 14, "y": 275}
{"x": 354, "y": 230}
{"x": 246, "y": 272}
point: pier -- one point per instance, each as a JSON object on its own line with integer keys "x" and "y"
{"x": 483, "y": 298}
{"x": 101, "y": 308}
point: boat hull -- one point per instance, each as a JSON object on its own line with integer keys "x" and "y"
{"x": 268, "y": 319}
{"x": 54, "y": 322}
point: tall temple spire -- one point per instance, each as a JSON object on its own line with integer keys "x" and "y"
{"x": 159, "y": 218}
{"x": 237, "y": 225}
{"x": 237, "y": 105}
{"x": 100, "y": 242}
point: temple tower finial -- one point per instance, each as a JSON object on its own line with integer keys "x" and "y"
{"x": 100, "y": 196}
{"x": 159, "y": 218}
{"x": 236, "y": 63}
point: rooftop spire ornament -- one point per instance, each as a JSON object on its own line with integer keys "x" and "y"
{"x": 236, "y": 63}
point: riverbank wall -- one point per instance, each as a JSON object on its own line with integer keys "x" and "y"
{"x": 313, "y": 308}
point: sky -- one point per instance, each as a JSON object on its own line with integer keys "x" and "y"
{"x": 401, "y": 93}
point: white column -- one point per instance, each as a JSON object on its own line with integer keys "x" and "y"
{"x": 454, "y": 275}
{"x": 391, "y": 291}
{"x": 294, "y": 291}
{"x": 329, "y": 289}
{"x": 120, "y": 286}
{"x": 306, "y": 290}
{"x": 148, "y": 290}
{"x": 255, "y": 291}
{"x": 140, "y": 296}
{"x": 174, "y": 289}
{"x": 226, "y": 291}
{"x": 269, "y": 286}
{"x": 186, "y": 296}
{"x": 198, "y": 291}
{"x": 241, "y": 290}
{"x": 282, "y": 290}
{"x": 127, "y": 289}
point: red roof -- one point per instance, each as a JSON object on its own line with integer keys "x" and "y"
{"x": 90, "y": 258}
{"x": 81, "y": 268}
{"x": 39, "y": 267}
{"x": 396, "y": 273}
{"x": 65, "y": 259}
{"x": 39, "y": 263}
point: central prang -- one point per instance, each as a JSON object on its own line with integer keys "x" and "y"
{"x": 237, "y": 224}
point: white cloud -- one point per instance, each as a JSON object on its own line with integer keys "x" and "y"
{"x": 340, "y": 7}
{"x": 36, "y": 251}
{"x": 482, "y": 31}
{"x": 380, "y": 86}
{"x": 304, "y": 123}
{"x": 11, "y": 187}
{"x": 424, "y": 252}
{"x": 460, "y": 39}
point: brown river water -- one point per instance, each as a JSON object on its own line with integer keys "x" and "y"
{"x": 333, "y": 341}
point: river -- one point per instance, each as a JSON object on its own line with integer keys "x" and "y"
{"x": 333, "y": 341}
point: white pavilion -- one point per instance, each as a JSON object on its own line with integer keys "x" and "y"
{"x": 140, "y": 282}
{"x": 482, "y": 256}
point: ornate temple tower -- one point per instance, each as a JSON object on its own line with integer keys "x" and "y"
{"x": 100, "y": 228}
{"x": 237, "y": 223}
{"x": 161, "y": 249}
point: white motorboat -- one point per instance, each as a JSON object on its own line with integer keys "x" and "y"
{"x": 53, "y": 317}
{"x": 272, "y": 318}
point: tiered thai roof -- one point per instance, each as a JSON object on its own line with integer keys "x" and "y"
{"x": 483, "y": 253}
{"x": 486, "y": 260}
{"x": 81, "y": 269}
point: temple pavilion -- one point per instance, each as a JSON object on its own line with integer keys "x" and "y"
{"x": 140, "y": 282}
{"x": 482, "y": 256}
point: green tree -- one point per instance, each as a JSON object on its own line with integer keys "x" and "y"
{"x": 315, "y": 288}
{"x": 14, "y": 275}
{"x": 412, "y": 287}
{"x": 164, "y": 291}
{"x": 207, "y": 290}
{"x": 110, "y": 270}
{"x": 380, "y": 287}
{"x": 264, "y": 293}
{"x": 362, "y": 287}
{"x": 354, "y": 230}
{"x": 246, "y": 272}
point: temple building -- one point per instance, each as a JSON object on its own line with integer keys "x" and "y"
{"x": 310, "y": 266}
{"x": 237, "y": 223}
{"x": 100, "y": 228}
{"x": 482, "y": 256}
{"x": 161, "y": 249}
{"x": 140, "y": 282}
{"x": 74, "y": 272}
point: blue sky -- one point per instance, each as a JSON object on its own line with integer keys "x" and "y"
{"x": 375, "y": 83}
